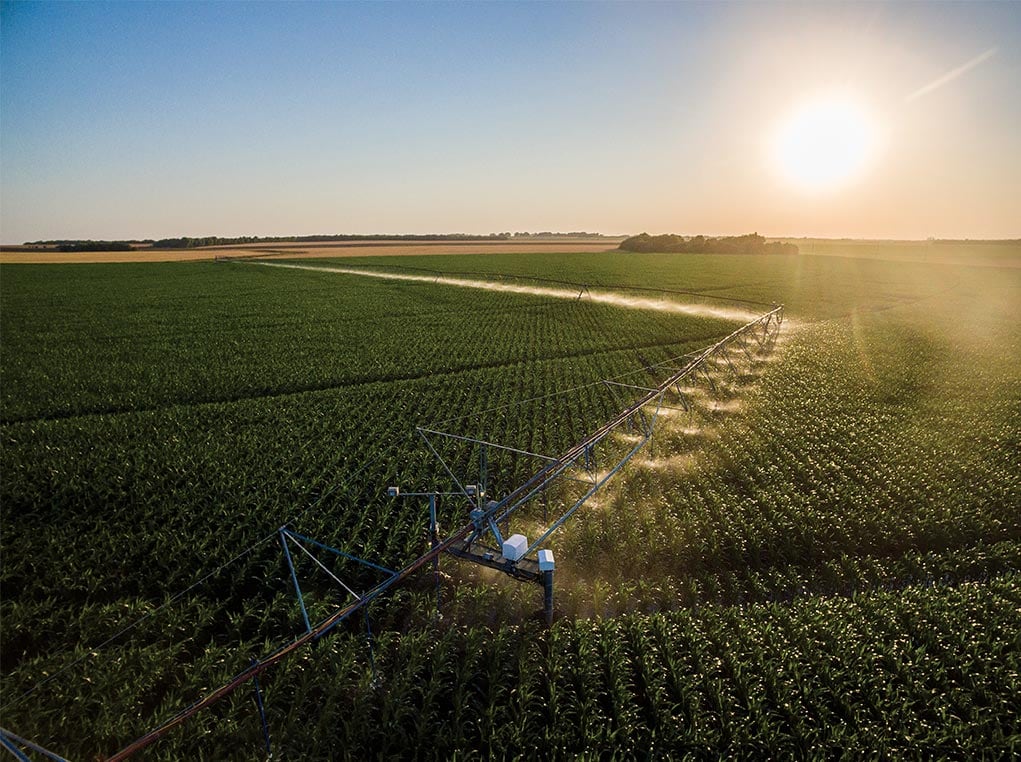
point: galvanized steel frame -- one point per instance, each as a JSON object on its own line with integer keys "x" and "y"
{"x": 501, "y": 511}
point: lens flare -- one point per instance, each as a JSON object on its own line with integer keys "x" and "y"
{"x": 824, "y": 144}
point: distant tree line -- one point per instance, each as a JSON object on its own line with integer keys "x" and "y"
{"x": 192, "y": 243}
{"x": 973, "y": 241}
{"x": 549, "y": 234}
{"x": 752, "y": 243}
{"x": 87, "y": 242}
{"x": 189, "y": 242}
{"x": 87, "y": 245}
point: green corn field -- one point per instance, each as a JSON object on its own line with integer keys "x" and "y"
{"x": 821, "y": 559}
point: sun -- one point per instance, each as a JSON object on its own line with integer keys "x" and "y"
{"x": 824, "y": 144}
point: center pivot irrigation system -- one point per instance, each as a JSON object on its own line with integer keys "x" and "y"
{"x": 481, "y": 540}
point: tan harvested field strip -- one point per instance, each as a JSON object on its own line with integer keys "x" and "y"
{"x": 975, "y": 253}
{"x": 22, "y": 255}
{"x": 53, "y": 257}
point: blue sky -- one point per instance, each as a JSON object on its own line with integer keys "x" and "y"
{"x": 159, "y": 119}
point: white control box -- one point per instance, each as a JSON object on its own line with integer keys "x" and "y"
{"x": 546, "y": 560}
{"x": 514, "y": 547}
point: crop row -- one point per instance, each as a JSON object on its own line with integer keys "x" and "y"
{"x": 834, "y": 460}
{"x": 877, "y": 451}
{"x": 148, "y": 336}
{"x": 922, "y": 670}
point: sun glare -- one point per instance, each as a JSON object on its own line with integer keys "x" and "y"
{"x": 824, "y": 144}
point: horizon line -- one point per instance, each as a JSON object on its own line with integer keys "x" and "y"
{"x": 500, "y": 236}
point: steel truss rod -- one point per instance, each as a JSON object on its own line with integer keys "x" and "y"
{"x": 596, "y": 486}
{"x": 485, "y": 443}
{"x": 294, "y": 580}
{"x": 283, "y": 652}
{"x": 730, "y": 363}
{"x": 10, "y": 742}
{"x": 341, "y": 553}
{"x": 460, "y": 487}
{"x": 322, "y": 566}
{"x": 13, "y": 749}
{"x": 631, "y": 386}
{"x": 744, "y": 347}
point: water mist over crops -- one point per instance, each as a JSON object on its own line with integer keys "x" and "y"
{"x": 602, "y": 297}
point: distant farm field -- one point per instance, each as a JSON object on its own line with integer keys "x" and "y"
{"x": 27, "y": 255}
{"x": 978, "y": 253}
{"x": 823, "y": 558}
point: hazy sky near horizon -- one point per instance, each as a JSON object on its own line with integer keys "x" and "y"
{"x": 121, "y": 120}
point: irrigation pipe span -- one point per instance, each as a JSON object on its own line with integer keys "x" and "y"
{"x": 514, "y": 499}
